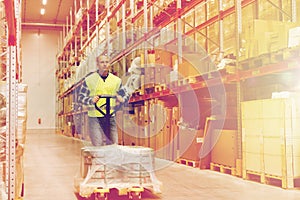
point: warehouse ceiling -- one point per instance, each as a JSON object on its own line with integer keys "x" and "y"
{"x": 56, "y": 12}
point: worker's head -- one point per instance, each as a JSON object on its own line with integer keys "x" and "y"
{"x": 103, "y": 64}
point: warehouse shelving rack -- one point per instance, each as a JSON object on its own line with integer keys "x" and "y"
{"x": 12, "y": 78}
{"x": 128, "y": 16}
{"x": 73, "y": 29}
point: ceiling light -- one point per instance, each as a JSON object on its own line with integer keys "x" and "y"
{"x": 42, "y": 11}
{"x": 44, "y": 2}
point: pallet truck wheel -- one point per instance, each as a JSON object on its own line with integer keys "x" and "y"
{"x": 135, "y": 192}
{"x": 101, "y": 194}
{"x": 135, "y": 195}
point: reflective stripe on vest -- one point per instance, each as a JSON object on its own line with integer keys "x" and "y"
{"x": 98, "y": 86}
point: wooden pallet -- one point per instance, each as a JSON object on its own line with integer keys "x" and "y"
{"x": 189, "y": 80}
{"x": 269, "y": 58}
{"x": 255, "y": 62}
{"x": 223, "y": 169}
{"x": 172, "y": 84}
{"x": 137, "y": 93}
{"x": 284, "y": 54}
{"x": 277, "y": 57}
{"x": 183, "y": 82}
{"x": 191, "y": 163}
{"x": 149, "y": 90}
{"x": 159, "y": 88}
{"x": 291, "y": 53}
{"x": 194, "y": 79}
{"x": 274, "y": 180}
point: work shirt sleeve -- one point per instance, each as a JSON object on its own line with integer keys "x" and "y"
{"x": 84, "y": 95}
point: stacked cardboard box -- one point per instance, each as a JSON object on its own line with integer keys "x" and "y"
{"x": 294, "y": 37}
{"x": 199, "y": 17}
{"x": 158, "y": 132}
{"x": 213, "y": 10}
{"x": 270, "y": 139}
{"x": 194, "y": 64}
{"x": 265, "y": 36}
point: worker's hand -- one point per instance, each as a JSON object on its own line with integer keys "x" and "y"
{"x": 96, "y": 99}
{"x": 120, "y": 99}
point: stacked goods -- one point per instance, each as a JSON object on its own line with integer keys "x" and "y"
{"x": 2, "y": 143}
{"x": 294, "y": 37}
{"x": 162, "y": 131}
{"x": 270, "y": 140}
{"x": 22, "y": 113}
{"x": 21, "y": 136}
{"x": 20, "y": 133}
{"x": 265, "y": 36}
{"x": 190, "y": 143}
{"x": 298, "y": 7}
{"x": 116, "y": 167}
{"x": 225, "y": 152}
{"x": 2, "y": 126}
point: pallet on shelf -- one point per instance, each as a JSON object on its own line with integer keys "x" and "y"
{"x": 191, "y": 163}
{"x": 223, "y": 169}
{"x": 255, "y": 62}
{"x": 159, "y": 88}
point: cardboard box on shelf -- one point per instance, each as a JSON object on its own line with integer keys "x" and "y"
{"x": 190, "y": 142}
{"x": 199, "y": 17}
{"x": 163, "y": 57}
{"x": 149, "y": 75}
{"x": 164, "y": 132}
{"x": 270, "y": 35}
{"x": 194, "y": 65}
{"x": 189, "y": 19}
{"x": 294, "y": 37}
{"x": 212, "y": 7}
{"x": 151, "y": 59}
{"x": 158, "y": 74}
{"x": 162, "y": 74}
{"x": 224, "y": 149}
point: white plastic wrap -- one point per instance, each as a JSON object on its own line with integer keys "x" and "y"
{"x": 22, "y": 99}
{"x": 22, "y": 87}
{"x": 116, "y": 166}
{"x": 21, "y": 131}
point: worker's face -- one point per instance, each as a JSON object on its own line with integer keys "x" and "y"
{"x": 103, "y": 65}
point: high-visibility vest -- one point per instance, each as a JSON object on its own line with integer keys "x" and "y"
{"x": 98, "y": 86}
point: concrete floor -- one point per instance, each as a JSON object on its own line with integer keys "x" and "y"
{"x": 51, "y": 162}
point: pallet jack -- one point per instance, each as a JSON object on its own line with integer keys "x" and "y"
{"x": 134, "y": 191}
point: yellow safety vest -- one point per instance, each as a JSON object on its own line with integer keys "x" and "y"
{"x": 98, "y": 86}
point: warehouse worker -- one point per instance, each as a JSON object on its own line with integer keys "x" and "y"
{"x": 101, "y": 82}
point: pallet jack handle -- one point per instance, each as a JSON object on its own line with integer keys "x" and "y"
{"x": 107, "y": 114}
{"x": 107, "y": 103}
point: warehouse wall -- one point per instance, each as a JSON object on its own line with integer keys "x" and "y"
{"x": 39, "y": 48}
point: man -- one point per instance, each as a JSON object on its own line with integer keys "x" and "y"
{"x": 101, "y": 82}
